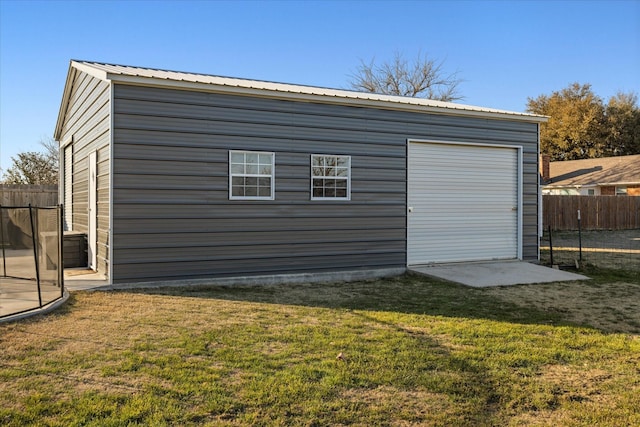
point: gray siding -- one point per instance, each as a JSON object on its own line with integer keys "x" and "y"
{"x": 87, "y": 120}
{"x": 172, "y": 216}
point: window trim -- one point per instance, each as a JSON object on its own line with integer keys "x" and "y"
{"x": 272, "y": 195}
{"x": 347, "y": 178}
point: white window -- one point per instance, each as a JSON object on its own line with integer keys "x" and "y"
{"x": 330, "y": 177}
{"x": 251, "y": 175}
{"x": 621, "y": 190}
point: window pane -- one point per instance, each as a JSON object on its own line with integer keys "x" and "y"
{"x": 341, "y": 183}
{"x": 341, "y": 192}
{"x": 250, "y": 180}
{"x": 264, "y": 182}
{"x": 265, "y": 170}
{"x": 251, "y": 158}
{"x": 252, "y": 169}
{"x": 237, "y": 157}
{"x": 316, "y": 160}
{"x": 343, "y": 161}
{"x": 316, "y": 171}
{"x": 264, "y": 191}
{"x": 329, "y": 192}
{"x": 237, "y": 168}
{"x": 342, "y": 172}
{"x": 237, "y": 180}
{"x": 250, "y": 191}
{"x": 264, "y": 159}
{"x": 237, "y": 191}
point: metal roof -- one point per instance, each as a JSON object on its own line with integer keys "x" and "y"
{"x": 204, "y": 82}
{"x": 118, "y": 72}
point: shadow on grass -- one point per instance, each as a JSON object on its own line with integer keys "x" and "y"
{"x": 409, "y": 293}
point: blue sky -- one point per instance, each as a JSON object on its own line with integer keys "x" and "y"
{"x": 504, "y": 51}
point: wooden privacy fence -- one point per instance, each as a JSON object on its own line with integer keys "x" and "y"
{"x": 596, "y": 212}
{"x": 24, "y": 195}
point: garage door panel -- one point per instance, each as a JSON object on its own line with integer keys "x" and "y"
{"x": 464, "y": 201}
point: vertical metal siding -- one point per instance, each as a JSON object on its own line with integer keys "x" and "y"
{"x": 171, "y": 213}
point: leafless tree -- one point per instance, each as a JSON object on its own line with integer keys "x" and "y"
{"x": 424, "y": 78}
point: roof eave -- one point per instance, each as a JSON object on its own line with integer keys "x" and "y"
{"x": 74, "y": 68}
{"x": 591, "y": 184}
{"x": 66, "y": 92}
{"x": 320, "y": 98}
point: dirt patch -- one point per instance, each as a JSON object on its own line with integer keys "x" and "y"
{"x": 569, "y": 386}
{"x": 611, "y": 307}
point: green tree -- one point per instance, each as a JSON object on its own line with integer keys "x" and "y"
{"x": 623, "y": 124}
{"x": 33, "y": 167}
{"x": 581, "y": 126}
{"x": 422, "y": 78}
{"x": 575, "y": 129}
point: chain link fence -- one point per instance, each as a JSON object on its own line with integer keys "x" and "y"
{"x": 616, "y": 249}
{"x": 31, "y": 267}
{"x": 603, "y": 231}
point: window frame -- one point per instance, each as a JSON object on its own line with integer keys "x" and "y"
{"x": 621, "y": 190}
{"x": 232, "y": 174}
{"x": 324, "y": 177}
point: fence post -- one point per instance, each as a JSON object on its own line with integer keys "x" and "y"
{"x": 61, "y": 249}
{"x": 35, "y": 254}
{"x": 550, "y": 246}
{"x": 4, "y": 257}
{"x": 580, "y": 236}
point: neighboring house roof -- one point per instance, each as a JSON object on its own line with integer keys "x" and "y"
{"x": 193, "y": 81}
{"x": 622, "y": 170}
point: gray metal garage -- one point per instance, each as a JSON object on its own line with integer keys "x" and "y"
{"x": 176, "y": 175}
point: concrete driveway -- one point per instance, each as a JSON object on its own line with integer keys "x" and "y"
{"x": 495, "y": 273}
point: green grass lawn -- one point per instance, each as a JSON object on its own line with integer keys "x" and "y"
{"x": 415, "y": 351}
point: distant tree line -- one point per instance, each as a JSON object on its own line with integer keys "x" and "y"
{"x": 581, "y": 125}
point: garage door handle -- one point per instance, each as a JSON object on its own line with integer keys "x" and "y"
{"x": 410, "y": 208}
{"x": 515, "y": 208}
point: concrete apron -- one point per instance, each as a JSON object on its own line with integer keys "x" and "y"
{"x": 21, "y": 296}
{"x": 495, "y": 273}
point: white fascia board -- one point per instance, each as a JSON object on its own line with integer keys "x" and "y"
{"x": 590, "y": 185}
{"x": 92, "y": 71}
{"x": 329, "y": 98}
{"x": 74, "y": 67}
{"x": 66, "y": 92}
{"x": 616, "y": 183}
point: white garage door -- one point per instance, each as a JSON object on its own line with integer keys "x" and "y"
{"x": 463, "y": 203}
